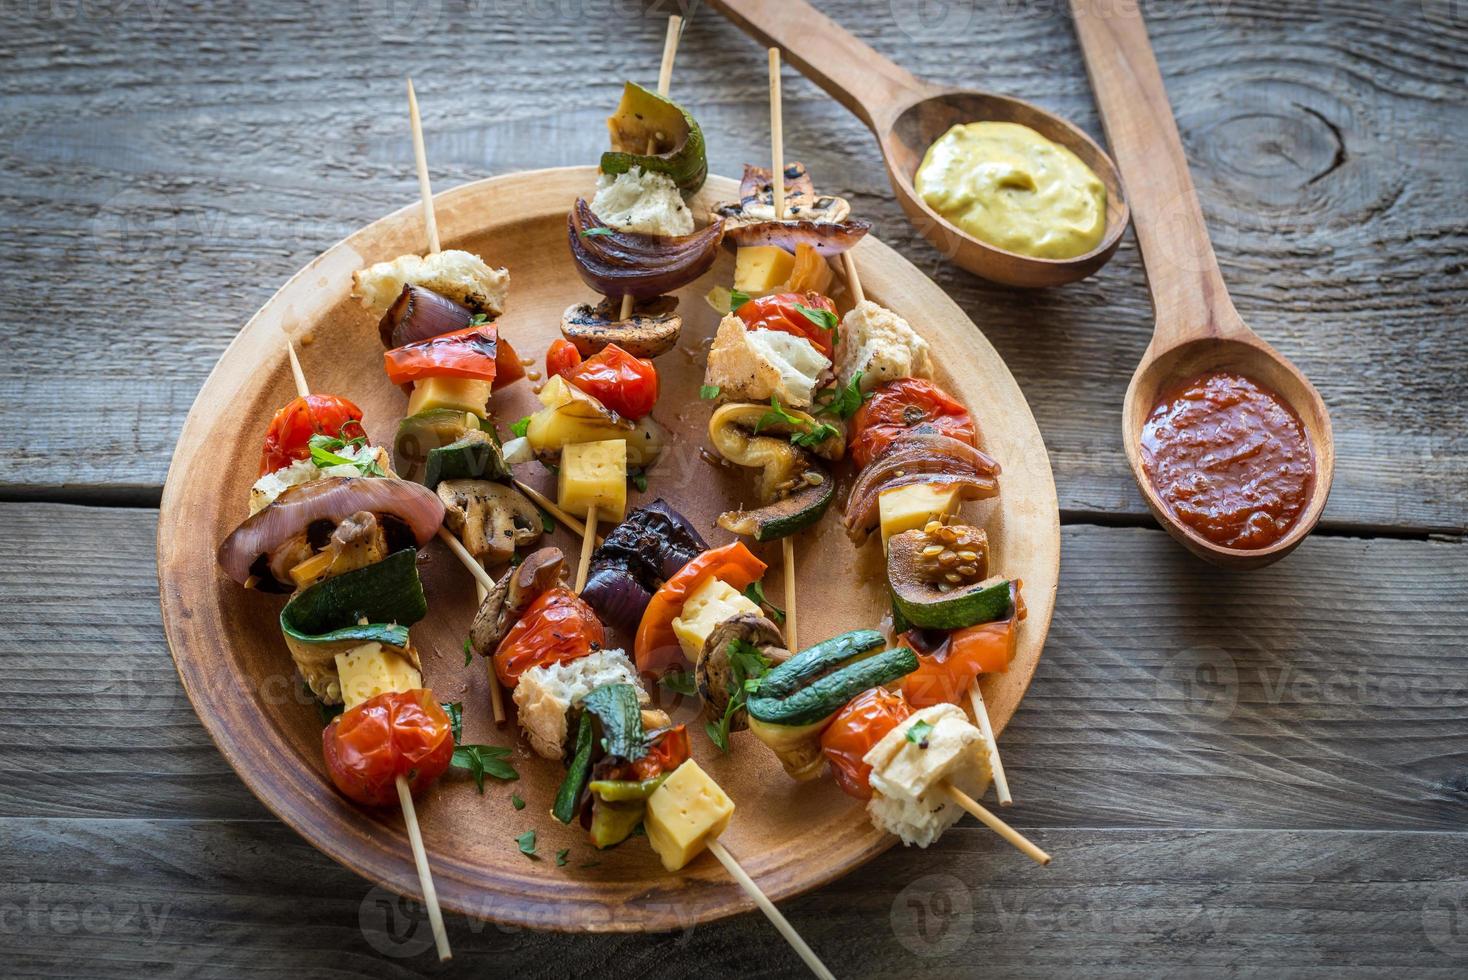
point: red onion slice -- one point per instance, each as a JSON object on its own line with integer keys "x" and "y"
{"x": 418, "y": 314}
{"x": 331, "y": 499}
{"x": 826, "y": 237}
{"x": 617, "y": 263}
{"x": 923, "y": 458}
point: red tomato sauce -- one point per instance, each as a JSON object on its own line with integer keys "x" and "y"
{"x": 1230, "y": 459}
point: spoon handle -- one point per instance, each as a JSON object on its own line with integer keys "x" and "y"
{"x": 873, "y": 88}
{"x": 1188, "y": 295}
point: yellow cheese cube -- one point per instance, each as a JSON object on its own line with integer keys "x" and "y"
{"x": 909, "y": 507}
{"x": 760, "y": 268}
{"x": 709, "y": 605}
{"x": 459, "y": 394}
{"x": 683, "y": 814}
{"x": 372, "y": 669}
{"x": 594, "y": 475}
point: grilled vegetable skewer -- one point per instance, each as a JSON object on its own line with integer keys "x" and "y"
{"x": 976, "y": 697}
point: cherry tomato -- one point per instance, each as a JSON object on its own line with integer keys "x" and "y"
{"x": 507, "y": 366}
{"x": 897, "y": 407}
{"x": 627, "y": 385}
{"x": 467, "y": 353}
{"x": 656, "y": 646}
{"x": 555, "y": 628}
{"x": 561, "y": 357}
{"x": 782, "y": 312}
{"x": 670, "y": 748}
{"x": 400, "y": 733}
{"x": 294, "y": 425}
{"x": 865, "y": 721}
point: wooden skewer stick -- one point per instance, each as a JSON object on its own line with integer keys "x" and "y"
{"x": 777, "y": 178}
{"x": 420, "y": 157}
{"x": 853, "y": 281}
{"x": 1020, "y": 841}
{"x": 996, "y": 765}
{"x": 768, "y": 908}
{"x": 665, "y": 81}
{"x": 588, "y": 539}
{"x": 410, "y": 815}
{"x": 425, "y": 878}
{"x": 467, "y": 560}
{"x": 496, "y": 696}
{"x": 553, "y": 509}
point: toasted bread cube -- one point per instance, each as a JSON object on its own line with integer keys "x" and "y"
{"x": 683, "y": 814}
{"x": 594, "y": 477}
{"x": 372, "y": 669}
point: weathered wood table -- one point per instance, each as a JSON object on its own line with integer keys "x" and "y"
{"x": 1257, "y": 774}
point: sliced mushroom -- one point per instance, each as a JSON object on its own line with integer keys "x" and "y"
{"x": 715, "y": 675}
{"x": 652, "y": 329}
{"x": 492, "y": 519}
{"x": 357, "y": 542}
{"x": 538, "y": 573}
{"x": 756, "y": 202}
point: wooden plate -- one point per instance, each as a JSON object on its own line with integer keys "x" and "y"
{"x": 236, "y": 669}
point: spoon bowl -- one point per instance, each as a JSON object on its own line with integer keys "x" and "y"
{"x": 1197, "y": 329}
{"x": 907, "y": 115}
{"x": 1250, "y": 357}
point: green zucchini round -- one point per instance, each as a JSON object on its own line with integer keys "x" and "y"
{"x": 826, "y": 695}
{"x": 784, "y": 517}
{"x": 810, "y": 663}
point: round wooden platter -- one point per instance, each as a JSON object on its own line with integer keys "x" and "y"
{"x": 790, "y": 836}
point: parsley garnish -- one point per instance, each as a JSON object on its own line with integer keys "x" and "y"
{"x": 679, "y": 682}
{"x": 593, "y": 232}
{"x": 547, "y": 523}
{"x": 842, "y": 401}
{"x": 484, "y": 760}
{"x": 708, "y": 392}
{"x": 755, "y": 593}
{"x": 747, "y": 665}
{"x": 468, "y": 653}
{"x": 639, "y": 480}
{"x": 804, "y": 434}
{"x": 325, "y": 452}
{"x": 516, "y": 802}
{"x": 737, "y": 298}
{"x": 455, "y": 711}
{"x": 527, "y": 843}
{"x": 520, "y": 426}
{"x": 478, "y": 320}
{"x": 918, "y": 732}
{"x": 824, "y": 319}
{"x": 776, "y": 416}
{"x": 561, "y": 856}
{"x": 815, "y": 436}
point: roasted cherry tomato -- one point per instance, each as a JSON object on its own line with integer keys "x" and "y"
{"x": 555, "y": 628}
{"x": 948, "y": 662}
{"x": 507, "y": 366}
{"x": 783, "y": 312}
{"x": 899, "y": 406}
{"x": 656, "y": 646}
{"x": 561, "y": 358}
{"x": 293, "y": 426}
{"x": 627, "y": 385}
{"x": 467, "y": 353}
{"x": 669, "y": 749}
{"x": 400, "y": 733}
{"x": 865, "y": 721}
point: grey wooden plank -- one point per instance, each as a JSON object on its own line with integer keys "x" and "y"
{"x": 176, "y": 898}
{"x": 1326, "y": 692}
{"x": 180, "y": 162}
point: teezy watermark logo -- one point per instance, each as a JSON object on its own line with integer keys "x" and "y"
{"x": 394, "y": 926}
{"x": 1445, "y": 919}
{"x": 1204, "y": 678}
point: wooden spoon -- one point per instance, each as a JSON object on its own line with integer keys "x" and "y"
{"x": 1197, "y": 328}
{"x": 907, "y": 115}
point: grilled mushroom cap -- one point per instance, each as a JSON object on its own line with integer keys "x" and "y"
{"x": 652, "y": 329}
{"x": 492, "y": 519}
{"x": 714, "y": 674}
{"x": 520, "y": 586}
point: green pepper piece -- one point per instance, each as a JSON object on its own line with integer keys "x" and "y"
{"x": 564, "y": 809}
{"x": 612, "y": 823}
{"x": 617, "y": 708}
{"x": 645, "y": 115}
{"x": 625, "y": 790}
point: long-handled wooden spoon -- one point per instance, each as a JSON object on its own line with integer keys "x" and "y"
{"x": 907, "y": 114}
{"x": 1197, "y": 328}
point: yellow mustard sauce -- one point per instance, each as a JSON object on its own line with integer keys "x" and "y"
{"x": 1007, "y": 185}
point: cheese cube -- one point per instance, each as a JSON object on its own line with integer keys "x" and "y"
{"x": 913, "y": 506}
{"x": 706, "y": 607}
{"x": 554, "y": 393}
{"x": 594, "y": 476}
{"x": 683, "y": 814}
{"x": 459, "y": 394}
{"x": 760, "y": 268}
{"x": 372, "y": 669}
